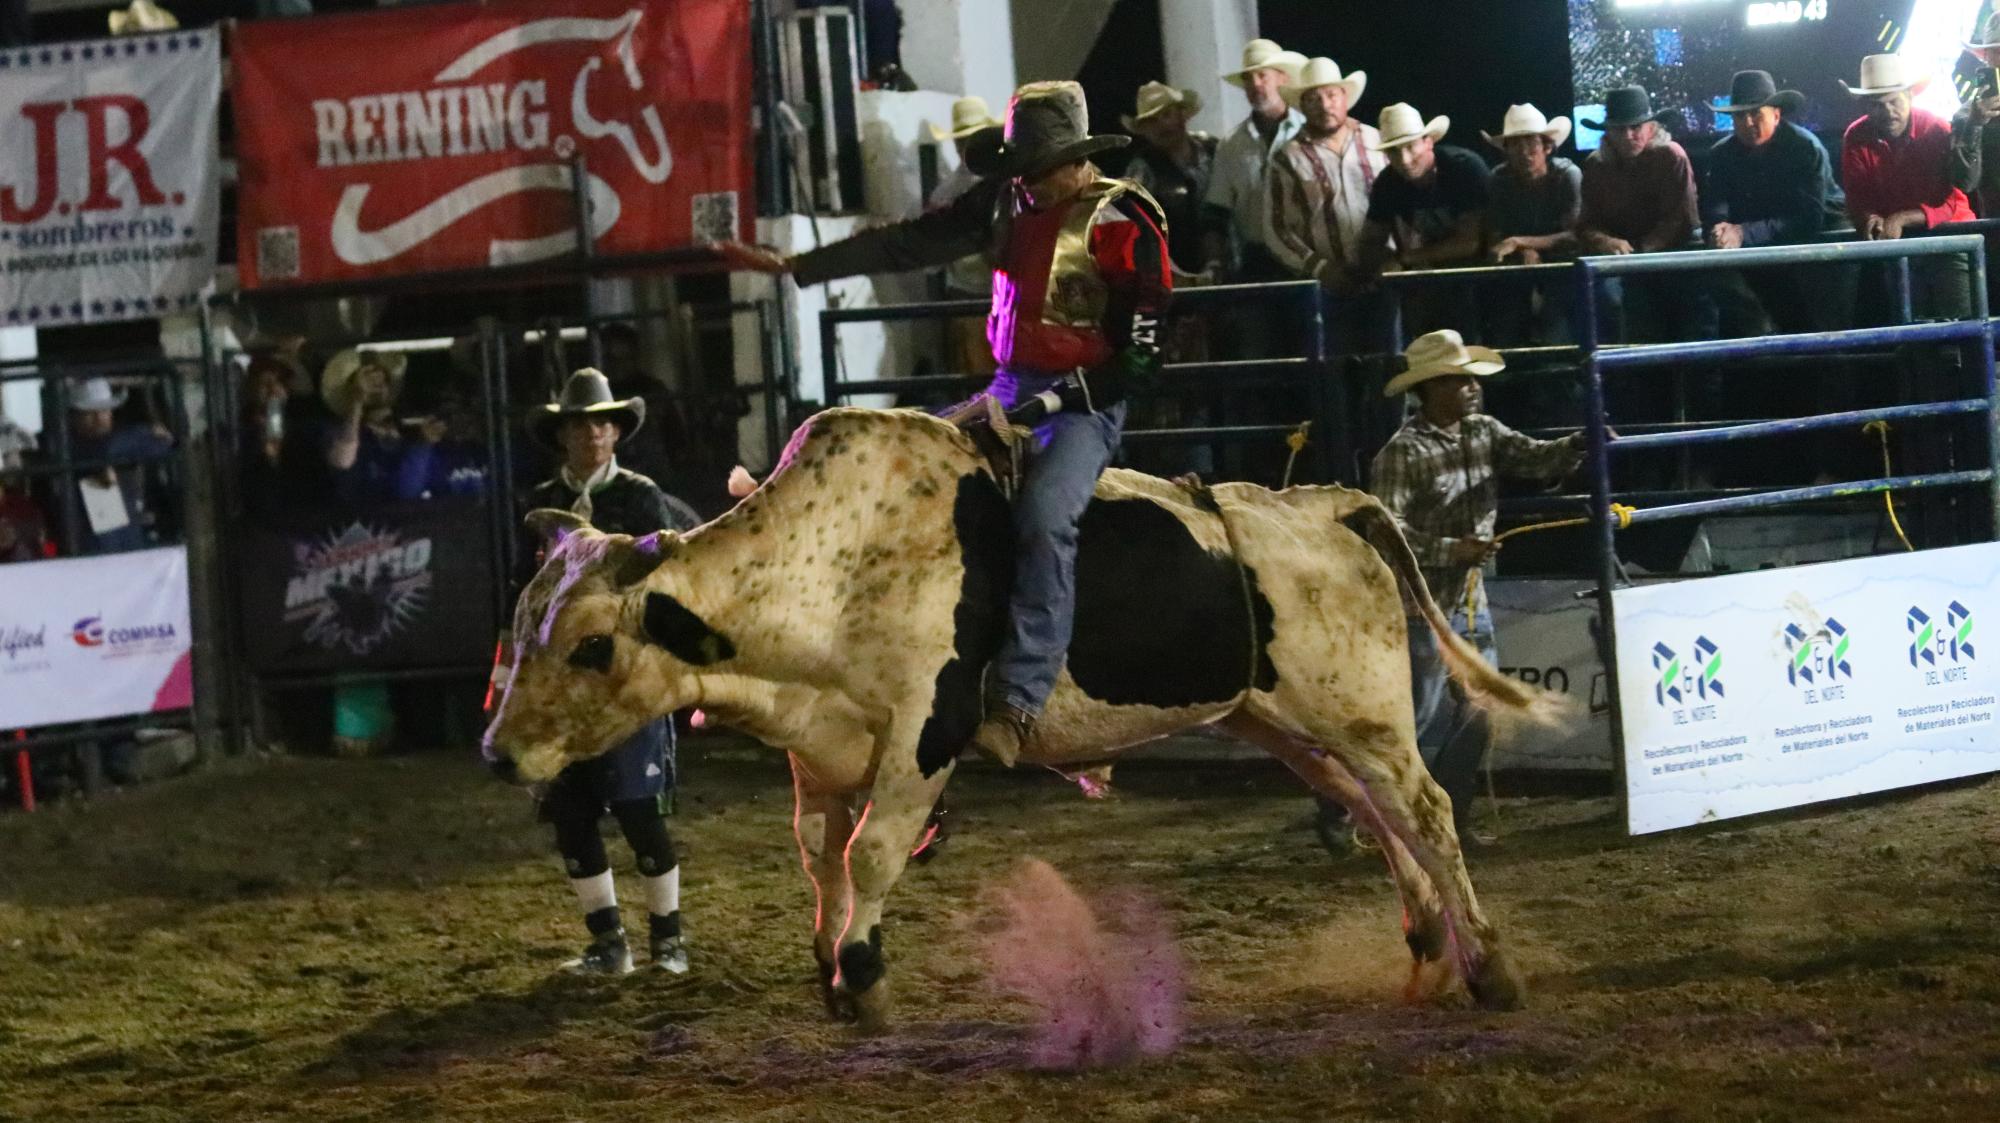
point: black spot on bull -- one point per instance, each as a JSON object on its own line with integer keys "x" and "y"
{"x": 985, "y": 531}
{"x": 1160, "y": 621}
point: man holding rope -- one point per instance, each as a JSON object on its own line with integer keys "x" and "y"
{"x": 1440, "y": 475}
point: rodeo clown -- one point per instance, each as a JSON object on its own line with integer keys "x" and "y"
{"x": 1080, "y": 277}
{"x": 585, "y": 426}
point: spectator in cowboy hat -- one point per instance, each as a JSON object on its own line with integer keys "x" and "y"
{"x": 1174, "y": 164}
{"x": 631, "y": 782}
{"x": 1426, "y": 208}
{"x": 364, "y": 444}
{"x": 1531, "y": 213}
{"x": 1639, "y": 197}
{"x": 1975, "y": 129}
{"x": 1236, "y": 188}
{"x": 1901, "y": 170}
{"x": 1440, "y": 476}
{"x": 97, "y": 436}
{"x": 1771, "y": 183}
{"x": 1317, "y": 193}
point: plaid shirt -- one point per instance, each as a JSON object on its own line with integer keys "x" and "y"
{"x": 1445, "y": 485}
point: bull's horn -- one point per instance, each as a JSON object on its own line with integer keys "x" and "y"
{"x": 645, "y": 556}
{"x": 553, "y": 525}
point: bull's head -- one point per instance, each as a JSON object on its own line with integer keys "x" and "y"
{"x": 596, "y": 653}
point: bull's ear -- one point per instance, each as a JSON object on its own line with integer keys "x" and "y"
{"x": 646, "y": 554}
{"x": 552, "y": 525}
{"x": 686, "y": 637}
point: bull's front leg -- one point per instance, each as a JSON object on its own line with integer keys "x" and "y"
{"x": 897, "y": 807}
{"x": 822, "y": 822}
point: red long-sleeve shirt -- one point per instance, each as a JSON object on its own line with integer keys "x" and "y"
{"x": 1883, "y": 176}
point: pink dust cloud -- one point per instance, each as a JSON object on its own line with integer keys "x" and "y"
{"x": 1104, "y": 977}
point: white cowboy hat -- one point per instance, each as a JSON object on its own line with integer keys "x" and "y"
{"x": 1884, "y": 74}
{"x": 1155, "y": 97}
{"x": 1262, "y": 54}
{"x": 141, "y": 17}
{"x": 1323, "y": 71}
{"x": 1988, "y": 36}
{"x": 1401, "y": 123}
{"x": 1441, "y": 353}
{"x": 968, "y": 116}
{"x": 336, "y": 379}
{"x": 95, "y": 394}
{"x": 1526, "y": 120}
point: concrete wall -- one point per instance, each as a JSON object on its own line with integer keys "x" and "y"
{"x": 1203, "y": 38}
{"x": 961, "y": 47}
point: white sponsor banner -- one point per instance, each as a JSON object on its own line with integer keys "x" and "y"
{"x": 1783, "y": 687}
{"x": 86, "y": 638}
{"x": 109, "y": 183}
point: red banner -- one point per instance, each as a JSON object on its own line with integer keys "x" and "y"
{"x": 441, "y": 137}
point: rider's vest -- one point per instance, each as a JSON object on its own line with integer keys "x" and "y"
{"x": 1049, "y": 292}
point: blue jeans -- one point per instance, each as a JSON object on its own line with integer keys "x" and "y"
{"x": 1070, "y": 451}
{"x": 1452, "y": 733}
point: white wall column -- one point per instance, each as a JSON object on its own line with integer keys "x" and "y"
{"x": 1203, "y": 38}
{"x": 961, "y": 47}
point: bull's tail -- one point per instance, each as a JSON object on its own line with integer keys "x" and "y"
{"x": 1484, "y": 684}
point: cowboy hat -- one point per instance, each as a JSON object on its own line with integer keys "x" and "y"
{"x": 1755, "y": 89}
{"x": 1884, "y": 74}
{"x": 1262, "y": 54}
{"x": 141, "y": 17}
{"x": 1441, "y": 353}
{"x": 1401, "y": 123}
{"x": 1157, "y": 97}
{"x": 1626, "y": 106}
{"x": 1989, "y": 34}
{"x": 95, "y": 394}
{"x": 1526, "y": 120}
{"x": 968, "y": 116}
{"x": 1048, "y": 125}
{"x": 587, "y": 393}
{"x": 1323, "y": 71}
{"x": 336, "y": 379}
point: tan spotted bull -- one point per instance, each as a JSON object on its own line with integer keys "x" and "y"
{"x": 843, "y": 613}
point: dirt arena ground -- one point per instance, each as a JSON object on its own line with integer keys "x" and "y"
{"x": 326, "y": 940}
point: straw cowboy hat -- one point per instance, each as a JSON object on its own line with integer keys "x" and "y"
{"x": 1755, "y": 89}
{"x": 968, "y": 116}
{"x": 95, "y": 394}
{"x": 1048, "y": 125}
{"x": 1401, "y": 123}
{"x": 587, "y": 393}
{"x": 1262, "y": 54}
{"x": 1526, "y": 120}
{"x": 141, "y": 17}
{"x": 1323, "y": 71}
{"x": 336, "y": 379}
{"x": 1627, "y": 106}
{"x": 1441, "y": 353}
{"x": 1884, "y": 74}
{"x": 1157, "y": 97}
{"x": 1989, "y": 34}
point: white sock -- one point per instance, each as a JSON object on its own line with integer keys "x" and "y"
{"x": 663, "y": 893}
{"x": 594, "y": 893}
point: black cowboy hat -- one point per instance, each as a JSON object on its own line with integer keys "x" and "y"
{"x": 1755, "y": 89}
{"x": 587, "y": 393}
{"x": 1625, "y": 106}
{"x": 1048, "y": 125}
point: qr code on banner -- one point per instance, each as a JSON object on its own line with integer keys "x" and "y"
{"x": 278, "y": 253}
{"x": 714, "y": 217}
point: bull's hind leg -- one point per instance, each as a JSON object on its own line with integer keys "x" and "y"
{"x": 1386, "y": 764}
{"x": 897, "y": 807}
{"x": 1424, "y": 928}
{"x": 822, "y": 822}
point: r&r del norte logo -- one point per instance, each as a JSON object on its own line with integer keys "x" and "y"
{"x": 1820, "y": 654}
{"x": 1680, "y": 683}
{"x": 1931, "y": 645}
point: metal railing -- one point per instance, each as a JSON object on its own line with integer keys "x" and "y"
{"x": 1308, "y": 370}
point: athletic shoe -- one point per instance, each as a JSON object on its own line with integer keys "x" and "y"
{"x": 670, "y": 955}
{"x": 607, "y": 955}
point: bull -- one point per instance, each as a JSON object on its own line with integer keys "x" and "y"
{"x": 844, "y": 612}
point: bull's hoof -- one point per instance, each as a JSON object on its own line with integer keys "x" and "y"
{"x": 1496, "y": 985}
{"x": 839, "y": 1006}
{"x": 872, "y": 1008}
{"x": 862, "y": 984}
{"x": 1426, "y": 939}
